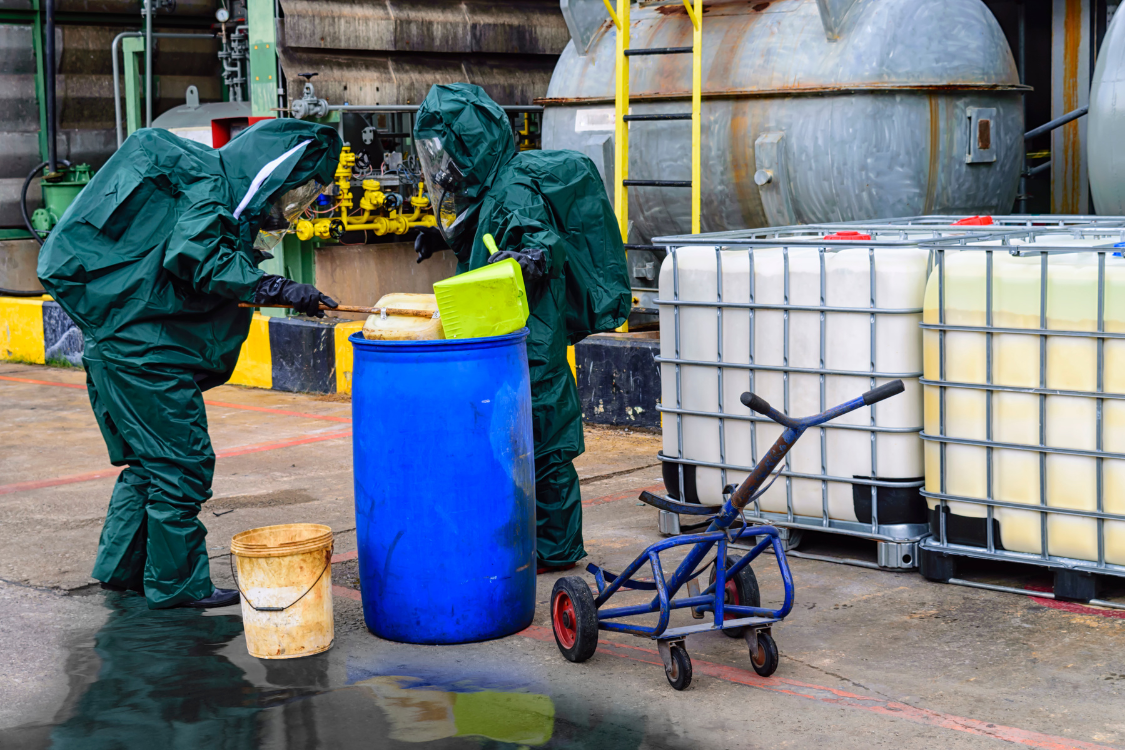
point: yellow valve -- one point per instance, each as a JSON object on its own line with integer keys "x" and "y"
{"x": 322, "y": 228}
{"x": 373, "y": 197}
{"x": 305, "y": 230}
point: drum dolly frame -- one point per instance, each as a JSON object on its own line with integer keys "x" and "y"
{"x": 577, "y": 616}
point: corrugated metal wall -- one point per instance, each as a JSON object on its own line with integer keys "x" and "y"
{"x": 392, "y": 51}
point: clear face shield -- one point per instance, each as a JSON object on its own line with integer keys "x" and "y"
{"x": 284, "y": 214}
{"x": 446, "y": 183}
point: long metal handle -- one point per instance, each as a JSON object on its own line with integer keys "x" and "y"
{"x": 356, "y": 309}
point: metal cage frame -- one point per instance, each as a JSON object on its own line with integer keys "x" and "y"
{"x": 940, "y": 543}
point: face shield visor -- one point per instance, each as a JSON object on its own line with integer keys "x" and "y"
{"x": 446, "y": 183}
{"x": 284, "y": 214}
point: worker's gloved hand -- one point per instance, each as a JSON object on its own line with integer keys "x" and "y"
{"x": 532, "y": 260}
{"x": 428, "y": 242}
{"x": 304, "y": 298}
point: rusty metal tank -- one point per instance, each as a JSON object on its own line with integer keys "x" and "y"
{"x": 843, "y": 110}
{"x": 1106, "y": 122}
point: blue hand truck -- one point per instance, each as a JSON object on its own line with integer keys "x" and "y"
{"x": 577, "y": 616}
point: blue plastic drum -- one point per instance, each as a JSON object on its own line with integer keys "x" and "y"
{"x": 444, "y": 487}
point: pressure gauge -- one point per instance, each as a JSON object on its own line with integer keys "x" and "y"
{"x": 222, "y": 15}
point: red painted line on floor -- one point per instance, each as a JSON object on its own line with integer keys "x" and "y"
{"x": 345, "y": 556}
{"x": 1072, "y": 607}
{"x": 622, "y": 495}
{"x": 260, "y": 447}
{"x": 1079, "y": 609}
{"x": 80, "y": 386}
{"x": 6, "y": 489}
{"x": 267, "y": 410}
{"x": 346, "y": 592}
{"x": 841, "y": 698}
{"x": 223, "y": 404}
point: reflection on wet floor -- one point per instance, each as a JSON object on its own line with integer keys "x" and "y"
{"x": 182, "y": 679}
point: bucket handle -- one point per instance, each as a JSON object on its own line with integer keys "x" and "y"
{"x": 245, "y": 598}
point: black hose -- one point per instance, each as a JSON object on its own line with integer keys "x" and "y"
{"x": 27, "y": 221}
{"x": 23, "y": 201}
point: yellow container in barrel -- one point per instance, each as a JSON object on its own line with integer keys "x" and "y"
{"x": 489, "y": 301}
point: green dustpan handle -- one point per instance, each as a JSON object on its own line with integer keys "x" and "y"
{"x": 490, "y": 244}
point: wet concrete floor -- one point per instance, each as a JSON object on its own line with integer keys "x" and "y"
{"x": 868, "y": 658}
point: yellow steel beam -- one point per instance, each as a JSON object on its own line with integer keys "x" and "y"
{"x": 612, "y": 15}
{"x": 691, "y": 13}
{"x": 696, "y": 108}
{"x": 621, "y": 128}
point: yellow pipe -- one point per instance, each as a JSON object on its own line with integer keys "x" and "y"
{"x": 691, "y": 14}
{"x": 696, "y": 111}
{"x": 612, "y": 15}
{"x": 621, "y": 128}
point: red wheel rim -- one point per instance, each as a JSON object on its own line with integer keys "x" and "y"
{"x": 732, "y": 593}
{"x": 562, "y": 612}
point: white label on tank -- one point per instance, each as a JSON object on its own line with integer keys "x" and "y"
{"x": 199, "y": 135}
{"x": 602, "y": 118}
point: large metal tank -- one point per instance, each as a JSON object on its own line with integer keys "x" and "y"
{"x": 1106, "y": 122}
{"x": 859, "y": 110}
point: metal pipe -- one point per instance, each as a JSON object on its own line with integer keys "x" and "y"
{"x": 1025, "y": 592}
{"x": 415, "y": 107}
{"x": 116, "y": 71}
{"x": 1058, "y": 122}
{"x": 52, "y": 131}
{"x": 148, "y": 63}
{"x": 1036, "y": 170}
{"x": 1022, "y": 63}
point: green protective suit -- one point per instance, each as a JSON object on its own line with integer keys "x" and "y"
{"x": 554, "y": 201}
{"x": 151, "y": 263}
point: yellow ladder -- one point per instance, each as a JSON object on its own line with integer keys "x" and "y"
{"x": 622, "y": 183}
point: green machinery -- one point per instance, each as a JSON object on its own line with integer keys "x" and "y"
{"x": 59, "y": 191}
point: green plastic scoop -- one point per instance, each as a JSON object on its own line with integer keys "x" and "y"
{"x": 490, "y": 301}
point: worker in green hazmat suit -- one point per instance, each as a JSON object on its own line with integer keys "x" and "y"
{"x": 548, "y": 210}
{"x": 151, "y": 262}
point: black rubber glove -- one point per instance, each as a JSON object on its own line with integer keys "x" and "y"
{"x": 532, "y": 260}
{"x": 304, "y": 298}
{"x": 428, "y": 242}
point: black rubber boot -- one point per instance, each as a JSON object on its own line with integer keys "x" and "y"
{"x": 218, "y": 598}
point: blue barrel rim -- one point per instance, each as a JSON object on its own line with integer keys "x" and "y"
{"x": 359, "y": 342}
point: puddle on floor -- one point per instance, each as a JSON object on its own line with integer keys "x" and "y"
{"x": 182, "y": 679}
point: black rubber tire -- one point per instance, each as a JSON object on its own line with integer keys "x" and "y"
{"x": 680, "y": 676}
{"x": 746, "y": 589}
{"x": 768, "y": 658}
{"x": 580, "y": 641}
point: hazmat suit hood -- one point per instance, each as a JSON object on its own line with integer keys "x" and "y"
{"x": 154, "y": 255}
{"x": 474, "y": 133}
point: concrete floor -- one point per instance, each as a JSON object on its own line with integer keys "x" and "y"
{"x": 868, "y": 658}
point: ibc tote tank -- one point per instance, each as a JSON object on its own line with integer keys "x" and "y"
{"x": 1071, "y": 364}
{"x": 913, "y": 107}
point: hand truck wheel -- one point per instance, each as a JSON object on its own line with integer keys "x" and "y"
{"x": 574, "y": 619}
{"x": 765, "y": 663}
{"x": 741, "y": 590}
{"x": 679, "y": 676}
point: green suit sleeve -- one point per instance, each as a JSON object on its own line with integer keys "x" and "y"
{"x": 519, "y": 219}
{"x": 203, "y": 250}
